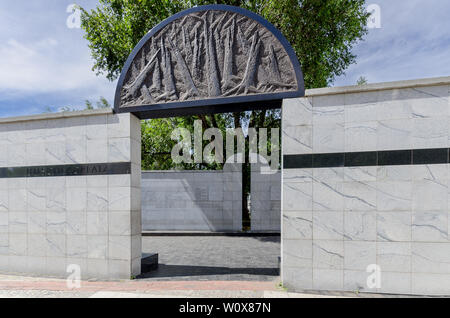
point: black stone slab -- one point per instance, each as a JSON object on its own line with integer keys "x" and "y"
{"x": 91, "y": 169}
{"x": 361, "y": 159}
{"x": 201, "y": 233}
{"x": 368, "y": 158}
{"x": 395, "y": 158}
{"x": 430, "y": 156}
{"x": 149, "y": 262}
{"x": 298, "y": 161}
{"x": 328, "y": 160}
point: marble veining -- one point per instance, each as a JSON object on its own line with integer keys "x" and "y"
{"x": 396, "y": 216}
{"x": 394, "y": 226}
{"x": 296, "y": 226}
{"x": 46, "y": 222}
{"x": 430, "y": 226}
{"x": 360, "y": 226}
{"x": 328, "y": 225}
{"x": 298, "y": 139}
{"x": 326, "y": 254}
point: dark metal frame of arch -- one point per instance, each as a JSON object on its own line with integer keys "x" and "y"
{"x": 213, "y": 105}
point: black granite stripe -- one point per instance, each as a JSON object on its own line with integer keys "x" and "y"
{"x": 369, "y": 158}
{"x": 395, "y": 158}
{"x": 297, "y": 161}
{"x": 328, "y": 160}
{"x": 361, "y": 159}
{"x": 91, "y": 169}
{"x": 430, "y": 156}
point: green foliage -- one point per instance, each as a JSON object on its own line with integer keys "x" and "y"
{"x": 322, "y": 33}
{"x": 101, "y": 103}
{"x": 157, "y": 143}
{"x": 115, "y": 27}
{"x": 362, "y": 81}
{"x": 282, "y": 287}
{"x": 88, "y": 104}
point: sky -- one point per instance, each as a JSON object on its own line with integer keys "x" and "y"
{"x": 45, "y": 64}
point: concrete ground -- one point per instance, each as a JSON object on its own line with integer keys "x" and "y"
{"x": 217, "y": 258}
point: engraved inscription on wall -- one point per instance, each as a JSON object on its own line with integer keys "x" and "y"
{"x": 208, "y": 54}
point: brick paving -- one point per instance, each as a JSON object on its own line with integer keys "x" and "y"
{"x": 32, "y": 287}
{"x": 132, "y": 286}
{"x": 18, "y": 286}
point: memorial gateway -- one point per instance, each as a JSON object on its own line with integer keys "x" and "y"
{"x": 365, "y": 171}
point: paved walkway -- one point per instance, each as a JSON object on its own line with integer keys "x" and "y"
{"x": 189, "y": 266}
{"x": 23, "y": 287}
{"x": 216, "y": 258}
{"x": 20, "y": 286}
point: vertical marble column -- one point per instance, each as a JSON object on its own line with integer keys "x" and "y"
{"x": 70, "y": 195}
{"x": 365, "y": 182}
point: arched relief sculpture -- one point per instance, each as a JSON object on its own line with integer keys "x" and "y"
{"x": 209, "y": 55}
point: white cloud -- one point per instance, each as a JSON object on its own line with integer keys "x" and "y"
{"x": 38, "y": 67}
{"x": 413, "y": 42}
{"x": 42, "y": 62}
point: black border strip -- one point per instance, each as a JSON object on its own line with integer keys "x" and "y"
{"x": 90, "y": 169}
{"x": 235, "y": 234}
{"x": 368, "y": 158}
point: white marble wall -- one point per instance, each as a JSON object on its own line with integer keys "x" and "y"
{"x": 192, "y": 200}
{"x": 49, "y": 223}
{"x": 265, "y": 199}
{"x": 337, "y": 221}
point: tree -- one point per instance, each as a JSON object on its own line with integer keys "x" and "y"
{"x": 362, "y": 81}
{"x": 322, "y": 34}
{"x": 101, "y": 103}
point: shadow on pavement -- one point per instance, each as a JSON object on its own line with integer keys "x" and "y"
{"x": 271, "y": 239}
{"x": 171, "y": 271}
